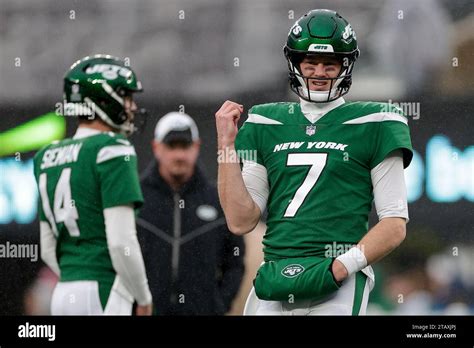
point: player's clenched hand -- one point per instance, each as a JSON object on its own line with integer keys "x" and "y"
{"x": 144, "y": 310}
{"x": 226, "y": 123}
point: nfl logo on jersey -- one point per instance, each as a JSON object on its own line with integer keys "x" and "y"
{"x": 310, "y": 130}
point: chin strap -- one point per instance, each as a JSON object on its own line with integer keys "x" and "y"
{"x": 126, "y": 128}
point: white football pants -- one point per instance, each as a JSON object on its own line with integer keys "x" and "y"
{"x": 82, "y": 298}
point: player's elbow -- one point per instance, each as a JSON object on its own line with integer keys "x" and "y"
{"x": 119, "y": 250}
{"x": 398, "y": 231}
{"x": 243, "y": 222}
{"x": 239, "y": 229}
{"x": 401, "y": 234}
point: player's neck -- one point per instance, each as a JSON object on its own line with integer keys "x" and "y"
{"x": 96, "y": 125}
{"x": 314, "y": 111}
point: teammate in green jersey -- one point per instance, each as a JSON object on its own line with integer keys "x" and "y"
{"x": 316, "y": 166}
{"x": 89, "y": 188}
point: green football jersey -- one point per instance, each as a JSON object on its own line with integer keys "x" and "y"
{"x": 77, "y": 180}
{"x": 319, "y": 173}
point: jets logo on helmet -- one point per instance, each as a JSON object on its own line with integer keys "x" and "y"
{"x": 320, "y": 48}
{"x": 321, "y": 32}
{"x": 108, "y": 71}
{"x": 101, "y": 82}
{"x": 348, "y": 34}
{"x": 297, "y": 29}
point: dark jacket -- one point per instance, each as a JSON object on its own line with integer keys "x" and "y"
{"x": 194, "y": 263}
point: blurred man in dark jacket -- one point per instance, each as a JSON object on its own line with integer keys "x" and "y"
{"x": 194, "y": 264}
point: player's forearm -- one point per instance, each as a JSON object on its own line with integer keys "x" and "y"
{"x": 125, "y": 252}
{"x": 241, "y": 212}
{"x": 375, "y": 245}
{"x": 48, "y": 247}
{"x": 131, "y": 270}
{"x": 383, "y": 238}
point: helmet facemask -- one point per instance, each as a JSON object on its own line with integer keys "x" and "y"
{"x": 338, "y": 87}
{"x": 123, "y": 122}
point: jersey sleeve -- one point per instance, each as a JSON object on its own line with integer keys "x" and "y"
{"x": 118, "y": 175}
{"x": 247, "y": 142}
{"x": 392, "y": 135}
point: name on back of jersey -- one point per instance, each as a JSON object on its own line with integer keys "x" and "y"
{"x": 309, "y": 145}
{"x": 60, "y": 155}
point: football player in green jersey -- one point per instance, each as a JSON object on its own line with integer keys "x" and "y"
{"x": 89, "y": 188}
{"x": 316, "y": 166}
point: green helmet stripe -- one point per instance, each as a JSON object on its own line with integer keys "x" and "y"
{"x": 112, "y": 93}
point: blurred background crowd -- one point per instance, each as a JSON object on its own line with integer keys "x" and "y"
{"x": 191, "y": 55}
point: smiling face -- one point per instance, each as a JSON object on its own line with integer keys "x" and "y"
{"x": 317, "y": 68}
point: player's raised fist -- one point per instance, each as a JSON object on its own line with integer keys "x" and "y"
{"x": 226, "y": 123}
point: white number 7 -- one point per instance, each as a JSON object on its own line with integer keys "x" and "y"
{"x": 317, "y": 161}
